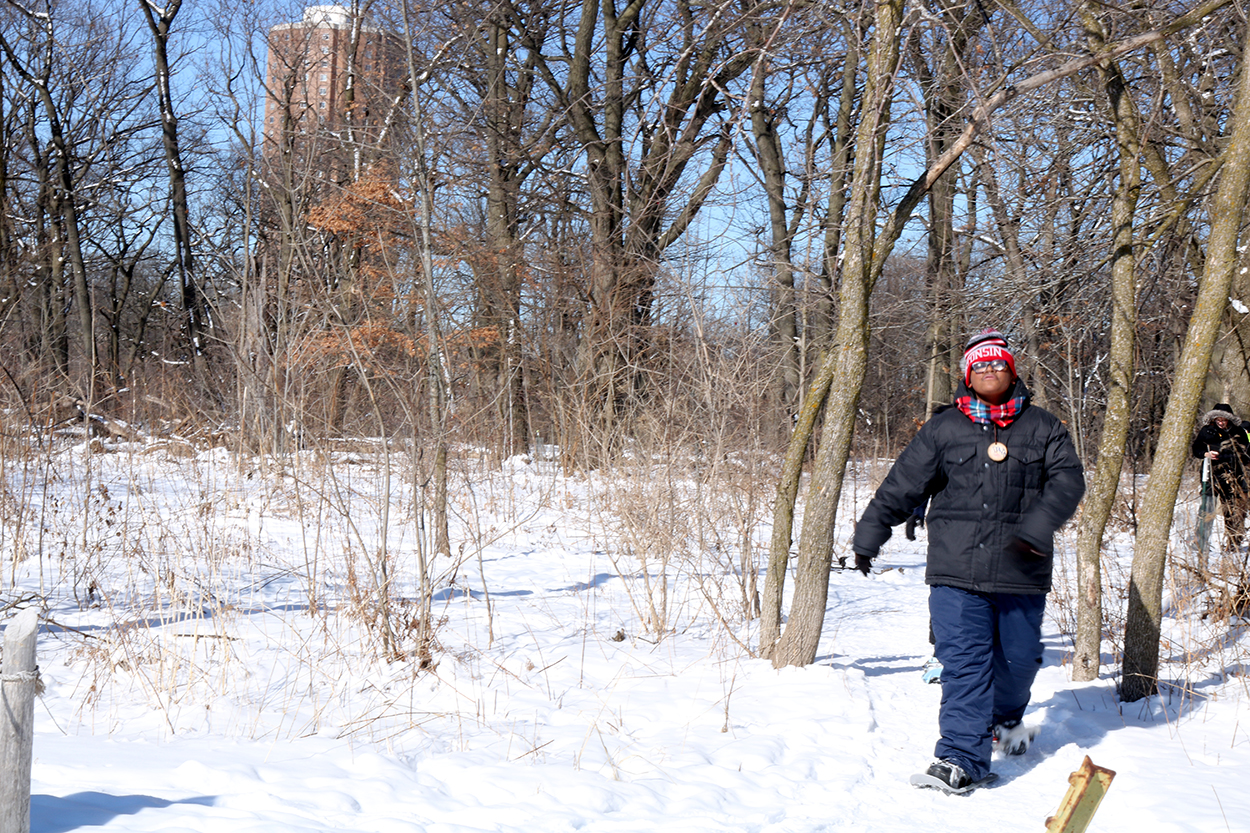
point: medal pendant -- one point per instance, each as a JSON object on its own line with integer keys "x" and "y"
{"x": 997, "y": 452}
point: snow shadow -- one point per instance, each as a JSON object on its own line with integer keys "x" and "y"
{"x": 1081, "y": 715}
{"x": 54, "y": 814}
{"x": 1098, "y": 703}
{"x": 173, "y": 617}
{"x": 877, "y": 666}
{"x": 144, "y": 623}
{"x": 449, "y": 593}
{"x": 577, "y": 587}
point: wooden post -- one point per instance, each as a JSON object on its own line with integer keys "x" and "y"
{"x": 17, "y": 720}
{"x": 1088, "y": 785}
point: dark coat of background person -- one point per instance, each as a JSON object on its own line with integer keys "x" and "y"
{"x": 1231, "y": 467}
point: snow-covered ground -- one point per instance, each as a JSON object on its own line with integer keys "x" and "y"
{"x": 208, "y": 668}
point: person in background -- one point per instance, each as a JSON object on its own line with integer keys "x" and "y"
{"x": 1222, "y": 439}
{"x": 1004, "y": 476}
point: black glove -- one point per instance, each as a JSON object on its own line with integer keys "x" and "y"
{"x": 1023, "y": 549}
{"x": 909, "y": 528}
{"x": 863, "y": 563}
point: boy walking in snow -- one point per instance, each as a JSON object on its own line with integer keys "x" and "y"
{"x": 1004, "y": 476}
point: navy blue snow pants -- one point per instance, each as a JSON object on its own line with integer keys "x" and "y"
{"x": 990, "y": 647}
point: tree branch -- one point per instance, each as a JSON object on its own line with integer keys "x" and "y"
{"x": 981, "y": 116}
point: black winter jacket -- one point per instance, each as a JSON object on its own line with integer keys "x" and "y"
{"x": 978, "y": 506}
{"x": 1232, "y": 468}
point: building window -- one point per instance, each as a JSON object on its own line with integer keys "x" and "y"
{"x": 324, "y": 77}
{"x": 321, "y": 105}
{"x": 321, "y": 91}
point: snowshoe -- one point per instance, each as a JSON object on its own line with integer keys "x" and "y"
{"x": 950, "y": 778}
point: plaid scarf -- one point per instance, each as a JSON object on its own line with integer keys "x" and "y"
{"x": 983, "y": 413}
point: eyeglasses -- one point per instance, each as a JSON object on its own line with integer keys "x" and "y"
{"x": 997, "y": 365}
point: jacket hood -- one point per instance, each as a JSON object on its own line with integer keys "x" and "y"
{"x": 1220, "y": 411}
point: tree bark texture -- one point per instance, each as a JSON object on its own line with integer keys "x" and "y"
{"x": 770, "y": 158}
{"x": 194, "y": 314}
{"x": 945, "y": 96}
{"x": 1100, "y": 498}
{"x": 799, "y": 642}
{"x": 1145, "y": 614}
{"x": 783, "y": 504}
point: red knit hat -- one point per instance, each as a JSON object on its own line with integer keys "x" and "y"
{"x": 985, "y": 346}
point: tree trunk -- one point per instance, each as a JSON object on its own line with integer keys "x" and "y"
{"x": 769, "y": 157}
{"x": 798, "y": 644}
{"x": 841, "y": 151}
{"x": 1145, "y": 602}
{"x": 945, "y": 96}
{"x": 64, "y": 204}
{"x": 194, "y": 314}
{"x": 505, "y": 106}
{"x": 436, "y": 373}
{"x": 783, "y": 504}
{"x": 1100, "y": 498}
{"x": 601, "y": 79}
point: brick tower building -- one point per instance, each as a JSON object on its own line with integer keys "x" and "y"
{"x": 333, "y": 78}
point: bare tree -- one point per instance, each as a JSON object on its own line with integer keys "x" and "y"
{"x": 493, "y": 91}
{"x": 789, "y": 101}
{"x": 195, "y": 315}
{"x": 423, "y": 222}
{"x": 1144, "y": 620}
{"x": 944, "y": 82}
{"x": 36, "y": 63}
{"x": 642, "y": 86}
{"x": 1106, "y": 480}
{"x": 867, "y": 245}
{"x": 846, "y": 361}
